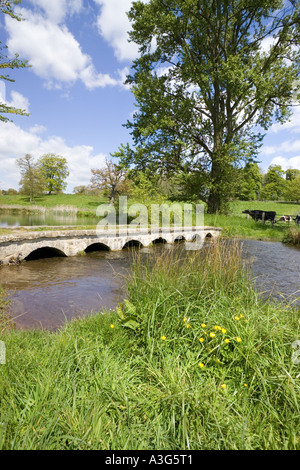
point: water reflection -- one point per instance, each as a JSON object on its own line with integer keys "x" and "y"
{"x": 47, "y": 218}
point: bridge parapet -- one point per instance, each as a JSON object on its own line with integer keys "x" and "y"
{"x": 15, "y": 247}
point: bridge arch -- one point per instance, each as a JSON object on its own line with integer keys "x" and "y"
{"x": 179, "y": 239}
{"x": 44, "y": 252}
{"x": 132, "y": 244}
{"x": 97, "y": 247}
{"x": 159, "y": 240}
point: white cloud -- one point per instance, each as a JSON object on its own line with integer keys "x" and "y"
{"x": 57, "y": 10}
{"x": 287, "y": 146}
{"x": 292, "y": 125}
{"x": 114, "y": 25}
{"x": 16, "y": 143}
{"x": 286, "y": 163}
{"x": 17, "y": 99}
{"x": 52, "y": 50}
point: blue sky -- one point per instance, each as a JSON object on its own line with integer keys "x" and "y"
{"x": 75, "y": 92}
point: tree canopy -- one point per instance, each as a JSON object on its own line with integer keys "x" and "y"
{"x": 110, "y": 178}
{"x": 54, "y": 170}
{"x": 207, "y": 85}
{"x": 6, "y": 7}
{"x": 32, "y": 181}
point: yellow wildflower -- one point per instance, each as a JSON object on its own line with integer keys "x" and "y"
{"x": 203, "y": 325}
{"x": 201, "y": 340}
{"x": 212, "y": 335}
{"x": 241, "y": 315}
{"x": 223, "y": 331}
{"x": 227, "y": 340}
{"x": 163, "y": 338}
{"x": 217, "y": 327}
{"x": 185, "y": 319}
{"x": 201, "y": 364}
{"x": 223, "y": 386}
{"x": 245, "y": 385}
{"x": 188, "y": 325}
{"x": 238, "y": 339}
{"x": 236, "y": 317}
{"x": 112, "y": 326}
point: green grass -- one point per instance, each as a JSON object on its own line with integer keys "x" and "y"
{"x": 51, "y": 201}
{"x": 235, "y": 224}
{"x": 139, "y": 385}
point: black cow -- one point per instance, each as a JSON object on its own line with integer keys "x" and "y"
{"x": 262, "y": 215}
{"x": 297, "y": 219}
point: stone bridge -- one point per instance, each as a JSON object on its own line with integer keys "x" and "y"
{"x": 16, "y": 247}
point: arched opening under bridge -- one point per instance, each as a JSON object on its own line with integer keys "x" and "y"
{"x": 133, "y": 244}
{"x": 96, "y": 247}
{"x": 45, "y": 252}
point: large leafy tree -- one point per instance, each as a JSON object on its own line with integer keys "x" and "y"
{"x": 205, "y": 84}
{"x": 54, "y": 170}
{"x": 6, "y": 7}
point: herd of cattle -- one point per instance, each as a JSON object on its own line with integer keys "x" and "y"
{"x": 271, "y": 215}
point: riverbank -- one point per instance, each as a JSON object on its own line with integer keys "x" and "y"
{"x": 192, "y": 360}
{"x": 235, "y": 224}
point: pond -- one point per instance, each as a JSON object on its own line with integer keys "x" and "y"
{"x": 47, "y": 218}
{"x": 45, "y": 293}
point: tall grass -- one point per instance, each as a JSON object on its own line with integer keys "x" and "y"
{"x": 193, "y": 359}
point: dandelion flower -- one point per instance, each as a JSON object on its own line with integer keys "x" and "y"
{"x": 227, "y": 340}
{"x": 185, "y": 319}
{"x": 112, "y": 326}
{"x": 223, "y": 386}
{"x": 201, "y": 340}
{"x": 188, "y": 325}
{"x": 223, "y": 331}
{"x": 212, "y": 335}
{"x": 236, "y": 317}
{"x": 217, "y": 327}
{"x": 238, "y": 339}
{"x": 163, "y": 338}
{"x": 245, "y": 385}
{"x": 203, "y": 325}
{"x": 201, "y": 364}
{"x": 241, "y": 315}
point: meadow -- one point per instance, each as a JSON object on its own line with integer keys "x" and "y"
{"x": 233, "y": 224}
{"x": 192, "y": 359}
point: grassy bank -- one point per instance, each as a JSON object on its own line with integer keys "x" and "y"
{"x": 192, "y": 360}
{"x": 235, "y": 224}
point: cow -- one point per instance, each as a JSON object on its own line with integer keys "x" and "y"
{"x": 297, "y": 219}
{"x": 286, "y": 218}
{"x": 262, "y": 215}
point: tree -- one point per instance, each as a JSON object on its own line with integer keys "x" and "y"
{"x": 6, "y": 63}
{"x": 204, "y": 81}
{"x": 293, "y": 189}
{"x": 250, "y": 183}
{"x": 54, "y": 169}
{"x": 291, "y": 174}
{"x": 32, "y": 181}
{"x": 110, "y": 178}
{"x": 274, "y": 183}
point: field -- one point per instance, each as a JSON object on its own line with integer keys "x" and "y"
{"x": 234, "y": 224}
{"x": 192, "y": 360}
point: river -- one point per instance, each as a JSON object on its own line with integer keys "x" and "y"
{"x": 44, "y": 293}
{"x": 47, "y": 218}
